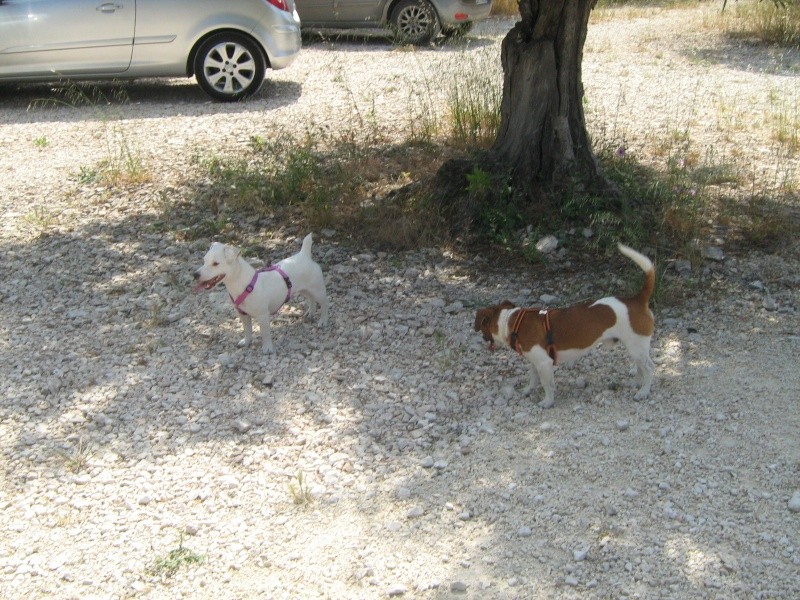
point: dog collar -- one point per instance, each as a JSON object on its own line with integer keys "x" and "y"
{"x": 550, "y": 347}
{"x": 251, "y": 286}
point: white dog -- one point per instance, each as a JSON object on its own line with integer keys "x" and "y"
{"x": 546, "y": 337}
{"x": 261, "y": 293}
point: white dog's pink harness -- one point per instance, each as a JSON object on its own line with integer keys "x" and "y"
{"x": 250, "y": 286}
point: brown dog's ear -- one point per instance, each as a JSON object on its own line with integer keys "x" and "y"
{"x": 507, "y": 304}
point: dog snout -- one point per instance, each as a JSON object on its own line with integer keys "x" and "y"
{"x": 196, "y": 274}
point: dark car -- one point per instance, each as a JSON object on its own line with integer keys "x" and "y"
{"x": 413, "y": 21}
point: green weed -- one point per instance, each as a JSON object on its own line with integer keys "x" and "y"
{"x": 167, "y": 566}
{"x": 40, "y": 219}
{"x": 299, "y": 490}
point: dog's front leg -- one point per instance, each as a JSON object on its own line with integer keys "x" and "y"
{"x": 266, "y": 335}
{"x": 247, "y": 326}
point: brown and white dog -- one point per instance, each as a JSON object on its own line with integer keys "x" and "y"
{"x": 563, "y": 335}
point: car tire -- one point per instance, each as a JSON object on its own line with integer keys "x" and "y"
{"x": 229, "y": 67}
{"x": 457, "y": 31}
{"x": 414, "y": 22}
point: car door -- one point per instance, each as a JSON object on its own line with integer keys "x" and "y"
{"x": 42, "y": 37}
{"x": 358, "y": 11}
{"x": 315, "y": 12}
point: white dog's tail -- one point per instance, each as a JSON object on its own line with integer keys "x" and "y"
{"x": 645, "y": 265}
{"x": 306, "y": 247}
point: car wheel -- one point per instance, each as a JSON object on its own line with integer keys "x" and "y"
{"x": 229, "y": 67}
{"x": 457, "y": 31}
{"x": 414, "y": 22}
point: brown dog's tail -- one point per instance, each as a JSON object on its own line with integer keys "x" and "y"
{"x": 645, "y": 265}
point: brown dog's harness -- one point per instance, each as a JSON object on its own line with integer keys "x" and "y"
{"x": 549, "y": 347}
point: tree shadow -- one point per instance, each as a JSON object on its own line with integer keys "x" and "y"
{"x": 140, "y": 368}
{"x": 750, "y": 56}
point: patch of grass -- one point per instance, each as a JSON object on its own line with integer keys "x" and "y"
{"x": 41, "y": 142}
{"x": 78, "y": 458}
{"x": 299, "y": 490}
{"x": 474, "y": 98}
{"x": 167, "y": 566}
{"x": 767, "y": 21}
{"x": 123, "y": 164}
{"x": 40, "y": 219}
{"x": 784, "y": 121}
{"x": 505, "y": 8}
{"x": 157, "y": 318}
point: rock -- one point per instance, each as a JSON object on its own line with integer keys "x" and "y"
{"x": 524, "y": 531}
{"x": 713, "y": 253}
{"x": 458, "y": 587}
{"x": 427, "y": 462}
{"x": 415, "y": 512}
{"x": 241, "y": 425}
{"x": 398, "y": 589}
{"x": 769, "y": 303}
{"x": 453, "y": 308}
{"x": 547, "y": 244}
{"x": 794, "y": 502}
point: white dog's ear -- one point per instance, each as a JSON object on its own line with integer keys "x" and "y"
{"x": 231, "y": 253}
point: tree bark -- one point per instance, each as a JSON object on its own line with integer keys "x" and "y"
{"x": 542, "y": 139}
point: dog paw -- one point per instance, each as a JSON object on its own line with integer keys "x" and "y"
{"x": 268, "y": 349}
{"x": 526, "y": 391}
{"x": 244, "y": 342}
{"x": 641, "y": 395}
{"x": 547, "y": 403}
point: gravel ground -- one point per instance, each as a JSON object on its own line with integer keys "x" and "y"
{"x": 133, "y": 429}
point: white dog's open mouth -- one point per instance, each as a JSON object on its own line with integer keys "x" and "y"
{"x": 209, "y": 284}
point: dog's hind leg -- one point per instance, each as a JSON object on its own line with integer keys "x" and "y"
{"x": 639, "y": 349}
{"x": 533, "y": 384}
{"x": 318, "y": 296}
{"x": 545, "y": 369}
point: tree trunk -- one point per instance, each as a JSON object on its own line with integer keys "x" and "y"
{"x": 542, "y": 138}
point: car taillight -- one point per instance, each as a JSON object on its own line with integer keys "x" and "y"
{"x": 281, "y": 4}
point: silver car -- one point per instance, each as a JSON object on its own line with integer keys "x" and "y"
{"x": 226, "y": 44}
{"x": 413, "y": 21}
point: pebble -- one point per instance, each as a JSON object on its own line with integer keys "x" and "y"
{"x": 396, "y": 589}
{"x": 714, "y": 253}
{"x": 794, "y": 502}
{"x": 547, "y": 245}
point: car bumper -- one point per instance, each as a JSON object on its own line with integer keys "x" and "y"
{"x": 455, "y": 12}
{"x": 281, "y": 40}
